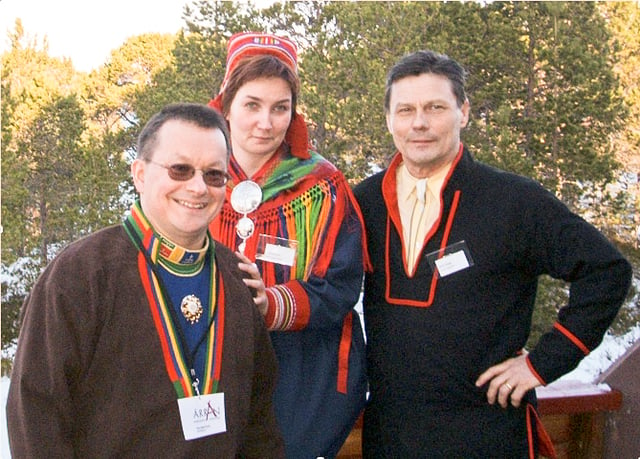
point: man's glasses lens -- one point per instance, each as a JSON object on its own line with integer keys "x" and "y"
{"x": 212, "y": 177}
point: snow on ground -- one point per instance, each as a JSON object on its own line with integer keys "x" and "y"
{"x": 595, "y": 363}
{"x": 611, "y": 348}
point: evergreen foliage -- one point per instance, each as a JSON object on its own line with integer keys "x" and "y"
{"x": 553, "y": 90}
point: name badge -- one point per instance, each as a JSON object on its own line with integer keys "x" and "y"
{"x": 452, "y": 263}
{"x": 454, "y": 258}
{"x": 276, "y": 250}
{"x": 202, "y": 416}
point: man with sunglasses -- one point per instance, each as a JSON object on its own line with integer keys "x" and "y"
{"x": 142, "y": 339}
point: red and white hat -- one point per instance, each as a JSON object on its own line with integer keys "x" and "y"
{"x": 246, "y": 44}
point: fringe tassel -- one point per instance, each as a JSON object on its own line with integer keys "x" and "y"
{"x": 313, "y": 219}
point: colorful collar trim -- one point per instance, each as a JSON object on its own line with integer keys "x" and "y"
{"x": 170, "y": 333}
{"x": 180, "y": 261}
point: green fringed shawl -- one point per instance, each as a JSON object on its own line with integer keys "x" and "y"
{"x": 303, "y": 199}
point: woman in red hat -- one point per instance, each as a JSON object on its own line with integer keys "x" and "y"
{"x": 294, "y": 214}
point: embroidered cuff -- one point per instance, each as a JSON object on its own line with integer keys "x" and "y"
{"x": 288, "y": 307}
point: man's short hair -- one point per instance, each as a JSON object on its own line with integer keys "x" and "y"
{"x": 427, "y": 61}
{"x": 198, "y": 114}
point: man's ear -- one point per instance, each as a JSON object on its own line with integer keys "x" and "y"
{"x": 466, "y": 108}
{"x": 388, "y": 119}
{"x": 137, "y": 173}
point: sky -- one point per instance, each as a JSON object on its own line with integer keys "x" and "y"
{"x": 86, "y": 31}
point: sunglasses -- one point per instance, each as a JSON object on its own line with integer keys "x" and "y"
{"x": 184, "y": 172}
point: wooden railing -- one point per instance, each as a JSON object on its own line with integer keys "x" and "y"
{"x": 574, "y": 414}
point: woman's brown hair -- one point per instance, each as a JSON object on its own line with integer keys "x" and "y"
{"x": 253, "y": 68}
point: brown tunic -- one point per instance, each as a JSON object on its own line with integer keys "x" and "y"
{"x": 89, "y": 379}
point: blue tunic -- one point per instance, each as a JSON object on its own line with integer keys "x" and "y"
{"x": 315, "y": 331}
{"x": 430, "y": 337}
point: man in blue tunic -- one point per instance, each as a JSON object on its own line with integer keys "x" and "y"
{"x": 456, "y": 249}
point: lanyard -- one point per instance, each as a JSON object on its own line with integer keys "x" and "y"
{"x": 188, "y": 356}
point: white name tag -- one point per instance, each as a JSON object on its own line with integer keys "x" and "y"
{"x": 451, "y": 259}
{"x": 276, "y": 250}
{"x": 452, "y": 263}
{"x": 278, "y": 254}
{"x": 202, "y": 416}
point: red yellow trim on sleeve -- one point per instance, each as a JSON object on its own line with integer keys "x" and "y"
{"x": 288, "y": 307}
{"x": 535, "y": 373}
{"x": 573, "y": 338}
